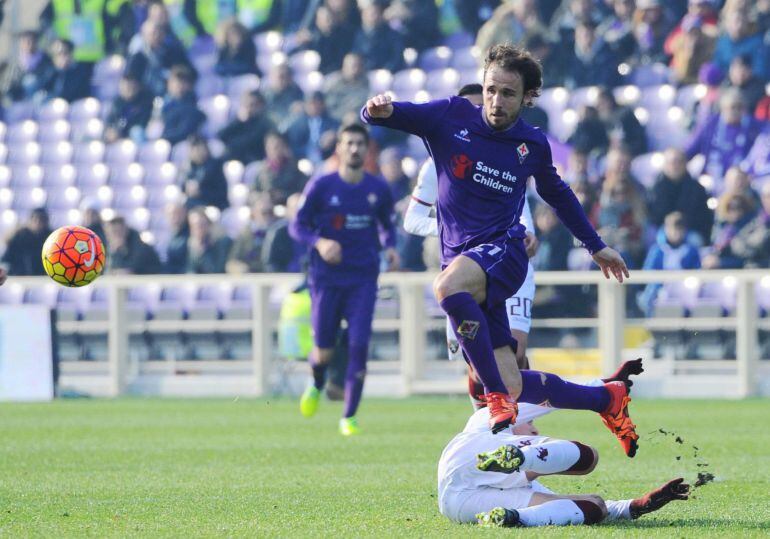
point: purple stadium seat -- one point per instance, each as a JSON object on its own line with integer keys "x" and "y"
{"x": 128, "y": 197}
{"x": 650, "y": 75}
{"x": 204, "y": 62}
{"x": 7, "y": 197}
{"x": 217, "y": 110}
{"x": 237, "y": 86}
{"x": 21, "y": 132}
{"x": 209, "y": 86}
{"x": 268, "y": 41}
{"x": 160, "y": 174}
{"x": 646, "y": 168}
{"x": 457, "y": 40}
{"x": 26, "y": 153}
{"x": 92, "y": 176}
{"x": 234, "y": 219}
{"x": 107, "y": 90}
{"x": 465, "y": 59}
{"x": 627, "y": 95}
{"x": 29, "y": 198}
{"x": 380, "y": 80}
{"x": 687, "y": 96}
{"x": 658, "y": 98}
{"x": 17, "y": 112}
{"x": 3, "y": 131}
{"x": 109, "y": 68}
{"x": 154, "y": 153}
{"x": 6, "y": 176}
{"x": 304, "y": 62}
{"x": 27, "y": 176}
{"x": 763, "y": 295}
{"x": 50, "y": 111}
{"x": 57, "y": 152}
{"x": 138, "y": 218}
{"x": 120, "y": 153}
{"x": 579, "y": 259}
{"x": 435, "y": 58}
{"x": 311, "y": 82}
{"x": 724, "y": 293}
{"x": 3, "y": 153}
{"x": 85, "y": 109}
{"x": 583, "y": 96}
{"x": 86, "y": 130}
{"x": 553, "y": 101}
{"x": 88, "y": 153}
{"x": 408, "y": 82}
{"x": 443, "y": 82}
{"x": 233, "y": 172}
{"x": 133, "y": 174}
{"x": 63, "y": 198}
{"x": 79, "y": 297}
{"x": 59, "y": 175}
{"x": 202, "y": 45}
{"x": 666, "y": 129}
{"x": 180, "y": 153}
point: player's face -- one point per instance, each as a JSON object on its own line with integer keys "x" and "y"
{"x": 352, "y": 149}
{"x": 503, "y": 97}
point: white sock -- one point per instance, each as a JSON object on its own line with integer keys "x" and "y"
{"x": 620, "y": 510}
{"x": 554, "y": 513}
{"x": 551, "y": 457}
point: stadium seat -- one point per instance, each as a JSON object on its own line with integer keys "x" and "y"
{"x": 88, "y": 153}
{"x": 120, "y": 153}
{"x": 21, "y": 132}
{"x": 204, "y": 62}
{"x": 63, "y": 198}
{"x": 11, "y": 294}
{"x": 553, "y": 101}
{"x": 3, "y": 153}
{"x": 435, "y": 58}
{"x": 42, "y": 295}
{"x": 56, "y": 152}
{"x": 408, "y": 82}
{"x": 312, "y": 82}
{"x": 268, "y": 41}
{"x": 687, "y": 96}
{"x": 26, "y": 199}
{"x": 650, "y": 75}
{"x": 19, "y": 111}
{"x": 443, "y": 82}
{"x": 86, "y": 130}
{"x": 380, "y": 80}
{"x": 658, "y": 98}
{"x": 26, "y": 176}
{"x": 209, "y": 86}
{"x": 304, "y": 62}
{"x": 233, "y": 172}
{"x": 85, "y": 109}
{"x": 234, "y": 220}
{"x": 583, "y": 96}
{"x": 217, "y": 110}
{"x": 160, "y": 174}
{"x": 647, "y": 167}
{"x": 92, "y": 176}
{"x": 666, "y": 129}
{"x": 5, "y": 176}
{"x": 457, "y": 40}
{"x": 128, "y": 174}
{"x": 50, "y": 111}
{"x": 466, "y": 58}
{"x": 235, "y": 87}
{"x": 154, "y": 153}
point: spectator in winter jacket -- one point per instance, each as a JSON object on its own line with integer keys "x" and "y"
{"x": 152, "y": 63}
{"x": 733, "y": 214}
{"x": 379, "y": 45}
{"x": 129, "y": 112}
{"x": 207, "y": 250}
{"x": 676, "y": 191}
{"x": 752, "y": 243}
{"x": 671, "y": 251}
{"x": 128, "y": 254}
{"x": 22, "y": 253}
{"x": 589, "y": 59}
{"x": 621, "y": 124}
{"x": 26, "y": 74}
{"x": 244, "y": 137}
{"x": 69, "y": 80}
{"x": 237, "y": 52}
{"x": 180, "y": 113}
{"x": 203, "y": 180}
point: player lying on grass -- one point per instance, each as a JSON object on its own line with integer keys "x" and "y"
{"x": 480, "y": 480}
{"x": 483, "y": 156}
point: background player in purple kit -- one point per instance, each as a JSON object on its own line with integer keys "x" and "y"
{"x": 341, "y": 218}
{"x": 483, "y": 157}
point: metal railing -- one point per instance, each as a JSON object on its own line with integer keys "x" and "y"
{"x": 413, "y": 367}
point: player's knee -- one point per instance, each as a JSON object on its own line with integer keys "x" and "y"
{"x": 587, "y": 459}
{"x": 593, "y": 508}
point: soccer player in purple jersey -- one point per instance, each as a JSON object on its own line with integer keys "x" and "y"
{"x": 341, "y": 218}
{"x": 483, "y": 157}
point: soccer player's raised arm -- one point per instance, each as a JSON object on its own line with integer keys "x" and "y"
{"x": 561, "y": 198}
{"x": 304, "y": 228}
{"x": 418, "y": 219}
{"x": 415, "y": 118}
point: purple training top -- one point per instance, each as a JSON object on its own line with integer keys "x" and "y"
{"x": 350, "y": 214}
{"x": 482, "y": 174}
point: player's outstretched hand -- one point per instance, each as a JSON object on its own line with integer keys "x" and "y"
{"x": 531, "y": 244}
{"x": 394, "y": 261}
{"x": 3, "y": 276}
{"x": 380, "y": 106}
{"x": 610, "y": 261}
{"x": 330, "y": 250}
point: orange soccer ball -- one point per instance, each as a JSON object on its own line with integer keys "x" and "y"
{"x": 73, "y": 256}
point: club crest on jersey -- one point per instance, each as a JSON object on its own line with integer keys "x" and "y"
{"x": 462, "y": 134}
{"x": 461, "y": 164}
{"x": 372, "y": 198}
{"x": 334, "y": 200}
{"x": 468, "y": 329}
{"x": 523, "y": 152}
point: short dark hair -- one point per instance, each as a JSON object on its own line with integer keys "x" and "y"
{"x": 354, "y": 128}
{"x": 471, "y": 89}
{"x": 182, "y": 73}
{"x": 512, "y": 58}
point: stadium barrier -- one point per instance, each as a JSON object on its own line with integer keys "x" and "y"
{"x": 412, "y": 371}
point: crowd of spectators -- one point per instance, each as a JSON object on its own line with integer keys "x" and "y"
{"x": 709, "y": 206}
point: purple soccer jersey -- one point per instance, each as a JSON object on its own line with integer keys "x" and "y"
{"x": 482, "y": 174}
{"x": 353, "y": 215}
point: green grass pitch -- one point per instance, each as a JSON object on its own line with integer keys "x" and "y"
{"x": 255, "y": 468}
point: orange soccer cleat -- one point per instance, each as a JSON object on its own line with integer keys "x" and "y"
{"x": 616, "y": 417}
{"x": 502, "y": 411}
